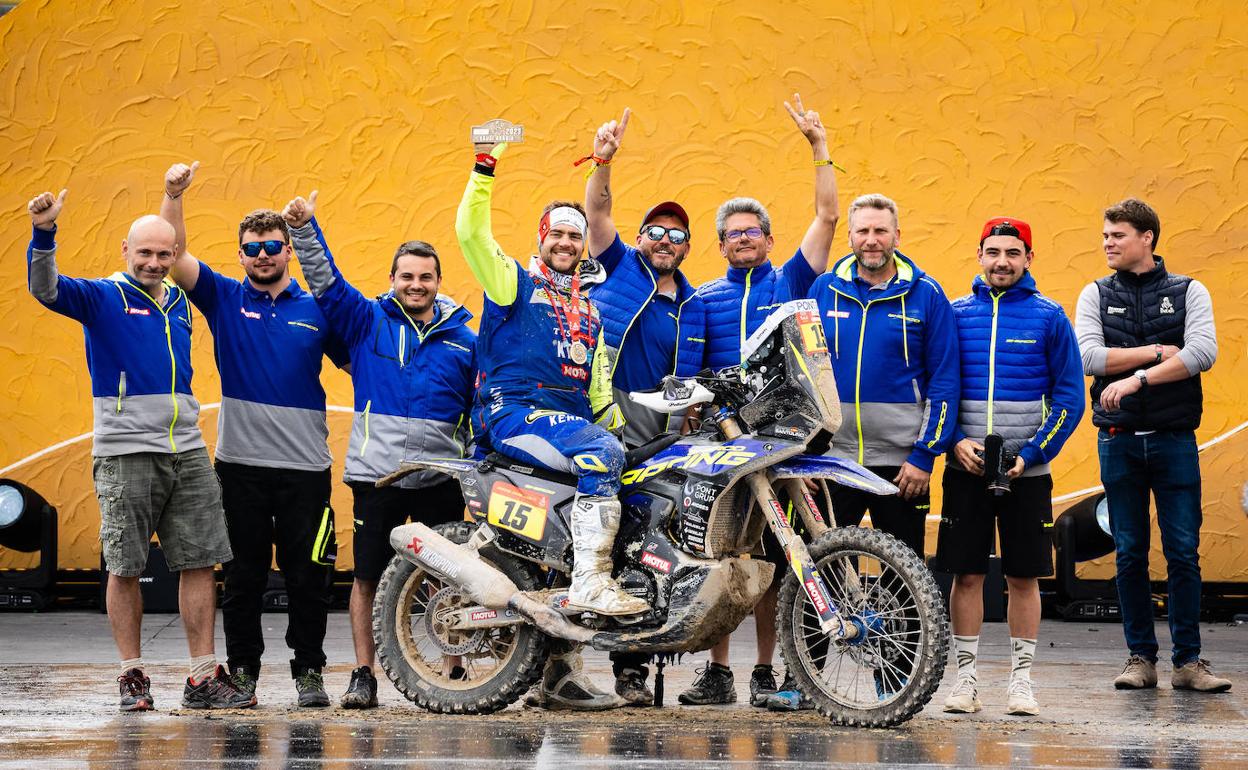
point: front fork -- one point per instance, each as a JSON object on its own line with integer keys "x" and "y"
{"x": 830, "y": 619}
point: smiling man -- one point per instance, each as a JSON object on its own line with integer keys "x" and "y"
{"x": 151, "y": 468}
{"x": 413, "y": 360}
{"x": 1021, "y": 380}
{"x": 269, "y": 340}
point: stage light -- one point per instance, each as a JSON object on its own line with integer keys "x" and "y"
{"x": 27, "y": 523}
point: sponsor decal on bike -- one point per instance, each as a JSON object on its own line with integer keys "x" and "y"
{"x": 483, "y": 615}
{"x": 778, "y": 515}
{"x": 816, "y": 596}
{"x": 713, "y": 458}
{"x": 650, "y": 560}
{"x": 518, "y": 510}
{"x": 813, "y": 338}
{"x": 432, "y": 559}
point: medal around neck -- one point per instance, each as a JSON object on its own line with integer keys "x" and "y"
{"x": 579, "y": 353}
{"x": 497, "y": 131}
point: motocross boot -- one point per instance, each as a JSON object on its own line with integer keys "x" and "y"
{"x": 565, "y": 686}
{"x": 595, "y": 522}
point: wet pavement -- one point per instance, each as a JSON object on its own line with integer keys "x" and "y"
{"x": 58, "y": 707}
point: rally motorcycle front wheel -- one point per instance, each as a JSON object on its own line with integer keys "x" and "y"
{"x": 891, "y": 669}
{"x": 443, "y": 669}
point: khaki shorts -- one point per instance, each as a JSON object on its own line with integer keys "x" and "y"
{"x": 175, "y": 496}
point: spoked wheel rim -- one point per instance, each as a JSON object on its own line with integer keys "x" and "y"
{"x": 879, "y": 666}
{"x": 432, "y": 649}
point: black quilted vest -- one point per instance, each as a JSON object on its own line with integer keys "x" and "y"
{"x": 1140, "y": 310}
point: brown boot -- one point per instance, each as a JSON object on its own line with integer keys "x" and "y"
{"x": 1140, "y": 673}
{"x": 1195, "y": 675}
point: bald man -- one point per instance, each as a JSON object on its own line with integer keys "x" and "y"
{"x": 151, "y": 469}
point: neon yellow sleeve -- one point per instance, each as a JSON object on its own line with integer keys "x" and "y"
{"x": 601, "y": 396}
{"x": 495, "y": 271}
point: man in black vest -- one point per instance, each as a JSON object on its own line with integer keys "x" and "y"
{"x": 1145, "y": 335}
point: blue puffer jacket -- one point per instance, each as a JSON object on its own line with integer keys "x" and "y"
{"x": 1022, "y": 377}
{"x": 738, "y": 303}
{"x": 895, "y": 356}
{"x": 629, "y": 284}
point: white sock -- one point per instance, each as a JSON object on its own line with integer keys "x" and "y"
{"x": 967, "y": 650}
{"x": 203, "y": 667}
{"x": 1023, "y": 652}
{"x": 130, "y": 663}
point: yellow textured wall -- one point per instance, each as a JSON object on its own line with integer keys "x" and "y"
{"x": 960, "y": 111}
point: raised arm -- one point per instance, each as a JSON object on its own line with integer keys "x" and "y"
{"x": 177, "y": 181}
{"x": 68, "y": 296}
{"x": 495, "y": 271}
{"x": 818, "y": 240}
{"x": 598, "y": 185}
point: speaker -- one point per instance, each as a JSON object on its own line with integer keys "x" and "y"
{"x": 157, "y": 585}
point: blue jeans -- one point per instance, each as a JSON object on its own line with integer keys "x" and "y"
{"x": 1166, "y": 463}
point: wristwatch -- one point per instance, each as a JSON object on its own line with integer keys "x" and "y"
{"x": 1142, "y": 376}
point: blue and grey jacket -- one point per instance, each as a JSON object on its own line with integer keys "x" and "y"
{"x": 1022, "y": 377}
{"x": 413, "y": 382}
{"x": 895, "y": 357}
{"x": 138, "y": 354}
{"x": 738, "y": 303}
{"x": 622, "y": 294}
{"x": 269, "y": 352}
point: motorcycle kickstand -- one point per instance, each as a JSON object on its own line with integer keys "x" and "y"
{"x": 658, "y": 683}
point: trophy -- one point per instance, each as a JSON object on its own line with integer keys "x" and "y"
{"x": 497, "y": 131}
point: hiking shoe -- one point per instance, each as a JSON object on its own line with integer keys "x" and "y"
{"x": 1140, "y": 673}
{"x": 244, "y": 679}
{"x": 1195, "y": 675}
{"x": 565, "y": 687}
{"x": 362, "y": 692}
{"x": 788, "y": 697}
{"x": 713, "y": 687}
{"x": 630, "y": 684}
{"x": 762, "y": 685}
{"x": 963, "y": 698}
{"x": 1018, "y": 698}
{"x": 215, "y": 692}
{"x": 311, "y": 688}
{"x": 136, "y": 691}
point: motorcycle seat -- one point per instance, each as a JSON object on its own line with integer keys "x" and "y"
{"x": 632, "y": 458}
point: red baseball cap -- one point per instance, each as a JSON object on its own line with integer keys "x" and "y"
{"x": 1007, "y": 226}
{"x": 671, "y": 208}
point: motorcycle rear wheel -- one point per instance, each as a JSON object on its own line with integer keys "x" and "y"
{"x": 890, "y": 672}
{"x": 416, "y": 650}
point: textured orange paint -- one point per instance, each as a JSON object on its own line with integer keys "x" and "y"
{"x": 959, "y": 110}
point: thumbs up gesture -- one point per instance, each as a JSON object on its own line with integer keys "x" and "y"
{"x": 300, "y": 211}
{"x": 45, "y": 208}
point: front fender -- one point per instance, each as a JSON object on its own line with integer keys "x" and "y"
{"x": 845, "y": 472}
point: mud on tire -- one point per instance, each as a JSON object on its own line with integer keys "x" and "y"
{"x": 511, "y": 658}
{"x": 889, "y": 676}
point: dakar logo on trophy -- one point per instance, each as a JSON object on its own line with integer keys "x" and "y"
{"x": 496, "y": 131}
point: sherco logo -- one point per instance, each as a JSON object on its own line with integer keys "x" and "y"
{"x": 1115, "y": 310}
{"x": 812, "y": 590}
{"x": 650, "y": 560}
{"x": 248, "y": 314}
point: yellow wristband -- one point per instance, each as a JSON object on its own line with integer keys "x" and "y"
{"x": 832, "y": 163}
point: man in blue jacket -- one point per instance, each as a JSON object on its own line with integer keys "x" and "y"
{"x": 151, "y": 469}
{"x": 1022, "y": 380}
{"x": 413, "y": 361}
{"x": 269, "y": 338}
{"x": 736, "y": 305}
{"x": 894, "y": 350}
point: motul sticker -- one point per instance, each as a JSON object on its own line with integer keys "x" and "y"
{"x": 483, "y": 615}
{"x": 781, "y": 520}
{"x": 650, "y": 560}
{"x": 812, "y": 590}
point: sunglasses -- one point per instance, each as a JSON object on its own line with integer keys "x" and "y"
{"x": 251, "y": 249}
{"x": 674, "y": 234}
{"x": 752, "y": 232}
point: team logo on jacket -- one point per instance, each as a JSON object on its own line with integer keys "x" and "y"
{"x": 138, "y": 311}
{"x": 1166, "y": 305}
{"x": 249, "y": 313}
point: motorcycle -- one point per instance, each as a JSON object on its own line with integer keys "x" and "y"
{"x": 465, "y": 612}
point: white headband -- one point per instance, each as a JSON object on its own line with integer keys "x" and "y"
{"x": 562, "y": 215}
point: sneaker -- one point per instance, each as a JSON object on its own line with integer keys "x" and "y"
{"x": 1018, "y": 698}
{"x": 362, "y": 692}
{"x": 1195, "y": 675}
{"x": 630, "y": 684}
{"x": 713, "y": 687}
{"x": 244, "y": 679}
{"x": 762, "y": 685}
{"x": 788, "y": 697}
{"x": 964, "y": 698}
{"x": 1140, "y": 673}
{"x": 565, "y": 687}
{"x": 136, "y": 691}
{"x": 311, "y": 688}
{"x": 215, "y": 692}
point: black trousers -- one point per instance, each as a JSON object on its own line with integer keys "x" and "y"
{"x": 905, "y": 520}
{"x": 289, "y": 509}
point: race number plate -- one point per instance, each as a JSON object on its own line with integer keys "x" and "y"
{"x": 813, "y": 338}
{"x": 519, "y": 510}
{"x": 497, "y": 130}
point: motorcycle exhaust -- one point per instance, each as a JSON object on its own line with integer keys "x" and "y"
{"x": 484, "y": 584}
